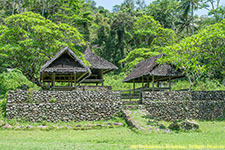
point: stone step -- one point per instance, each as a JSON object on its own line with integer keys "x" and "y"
{"x": 131, "y": 102}
{"x": 131, "y": 121}
{"x": 133, "y": 107}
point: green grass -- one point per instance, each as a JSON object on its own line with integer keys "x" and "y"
{"x": 145, "y": 122}
{"x": 52, "y": 126}
{"x": 138, "y": 116}
{"x": 212, "y": 133}
{"x": 202, "y": 85}
{"x": 116, "y": 82}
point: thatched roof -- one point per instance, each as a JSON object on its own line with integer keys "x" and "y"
{"x": 149, "y": 68}
{"x": 98, "y": 62}
{"x": 65, "y": 61}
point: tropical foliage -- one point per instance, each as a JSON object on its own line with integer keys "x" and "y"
{"x": 201, "y": 53}
{"x": 27, "y": 40}
{"x": 33, "y": 31}
{"x": 13, "y": 80}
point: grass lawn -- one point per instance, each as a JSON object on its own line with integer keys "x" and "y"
{"x": 211, "y": 133}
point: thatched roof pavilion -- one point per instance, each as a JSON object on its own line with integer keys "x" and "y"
{"x": 65, "y": 66}
{"x": 99, "y": 67}
{"x": 150, "y": 71}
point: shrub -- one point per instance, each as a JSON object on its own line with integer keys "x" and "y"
{"x": 201, "y": 85}
{"x": 3, "y": 103}
{"x": 52, "y": 100}
{"x": 116, "y": 82}
{"x": 13, "y": 80}
{"x": 174, "y": 126}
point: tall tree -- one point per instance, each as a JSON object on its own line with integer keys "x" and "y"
{"x": 214, "y": 8}
{"x": 164, "y": 11}
{"x": 189, "y": 6}
{"x": 140, "y": 4}
{"x": 150, "y": 37}
{"x": 27, "y": 40}
{"x": 202, "y": 53}
{"x": 81, "y": 18}
{"x": 121, "y": 26}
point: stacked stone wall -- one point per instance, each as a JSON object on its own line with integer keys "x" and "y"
{"x": 63, "y": 105}
{"x": 175, "y": 105}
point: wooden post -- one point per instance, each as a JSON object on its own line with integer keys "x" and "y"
{"x": 130, "y": 95}
{"x": 142, "y": 80}
{"x": 158, "y": 84}
{"x": 71, "y": 80}
{"x": 42, "y": 80}
{"x": 140, "y": 96}
{"x": 169, "y": 83}
{"x": 49, "y": 85}
{"x": 153, "y": 80}
{"x": 53, "y": 81}
{"x": 147, "y": 82}
{"x": 75, "y": 79}
{"x": 133, "y": 84}
{"x": 101, "y": 76}
{"x": 68, "y": 80}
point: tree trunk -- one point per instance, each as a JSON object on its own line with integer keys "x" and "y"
{"x": 13, "y": 11}
{"x": 173, "y": 24}
{"x": 121, "y": 46}
{"x": 19, "y": 6}
{"x": 187, "y": 30}
{"x": 213, "y": 8}
{"x": 192, "y": 16}
{"x": 43, "y": 8}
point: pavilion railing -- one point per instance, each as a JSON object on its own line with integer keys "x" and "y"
{"x": 135, "y": 95}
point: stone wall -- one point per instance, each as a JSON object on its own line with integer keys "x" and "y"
{"x": 63, "y": 105}
{"x": 169, "y": 106}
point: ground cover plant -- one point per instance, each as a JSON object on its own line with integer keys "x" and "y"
{"x": 101, "y": 135}
{"x": 19, "y": 124}
{"x": 202, "y": 85}
{"x": 211, "y": 133}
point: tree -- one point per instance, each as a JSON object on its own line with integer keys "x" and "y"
{"x": 186, "y": 58}
{"x": 150, "y": 38}
{"x": 188, "y": 6}
{"x": 219, "y": 13}
{"x": 200, "y": 54}
{"x": 100, "y": 36}
{"x": 81, "y": 18}
{"x": 47, "y": 8}
{"x": 164, "y": 11}
{"x": 214, "y": 8}
{"x": 27, "y": 40}
{"x": 121, "y": 24}
{"x": 121, "y": 27}
{"x": 141, "y": 4}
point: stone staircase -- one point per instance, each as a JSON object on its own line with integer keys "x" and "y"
{"x": 131, "y": 121}
{"x": 141, "y": 107}
{"x": 133, "y": 105}
{"x": 137, "y": 117}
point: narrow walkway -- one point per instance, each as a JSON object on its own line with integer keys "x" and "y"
{"x": 136, "y": 118}
{"x": 139, "y": 119}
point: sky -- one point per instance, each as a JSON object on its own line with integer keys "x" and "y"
{"x": 108, "y": 4}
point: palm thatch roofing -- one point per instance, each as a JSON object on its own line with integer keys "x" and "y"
{"x": 98, "y": 62}
{"x": 65, "y": 62}
{"x": 149, "y": 68}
